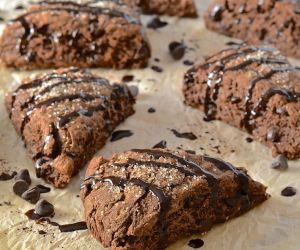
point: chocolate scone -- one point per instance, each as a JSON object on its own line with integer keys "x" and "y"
{"x": 257, "y": 22}
{"x": 181, "y": 8}
{"x": 63, "y": 34}
{"x": 254, "y": 89}
{"x": 149, "y": 198}
{"x": 64, "y": 117}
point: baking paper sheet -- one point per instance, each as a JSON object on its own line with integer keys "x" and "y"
{"x": 273, "y": 225}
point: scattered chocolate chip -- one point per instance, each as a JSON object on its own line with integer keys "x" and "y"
{"x": 7, "y": 177}
{"x": 161, "y": 144}
{"x": 42, "y": 232}
{"x": 20, "y": 187}
{"x": 128, "y": 78}
{"x": 280, "y": 163}
{"x": 157, "y": 68}
{"x": 196, "y": 243}
{"x": 73, "y": 227}
{"x": 24, "y": 175}
{"x": 188, "y": 62}
{"x": 288, "y": 191}
{"x": 156, "y": 59}
{"x": 216, "y": 13}
{"x": 272, "y": 134}
{"x": 151, "y": 110}
{"x": 192, "y": 152}
{"x": 19, "y": 7}
{"x": 187, "y": 135}
{"x": 44, "y": 208}
{"x": 31, "y": 195}
{"x": 120, "y": 134}
{"x": 43, "y": 189}
{"x": 177, "y": 50}
{"x": 156, "y": 23}
{"x": 134, "y": 90}
{"x": 249, "y": 139}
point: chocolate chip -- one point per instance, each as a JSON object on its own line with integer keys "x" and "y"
{"x": 6, "y": 176}
{"x": 157, "y": 68}
{"x": 161, "y": 144}
{"x": 24, "y": 175}
{"x": 44, "y": 208}
{"x": 42, "y": 232}
{"x": 272, "y": 134}
{"x": 216, "y": 13}
{"x": 280, "y": 163}
{"x": 188, "y": 62}
{"x": 177, "y": 50}
{"x": 31, "y": 195}
{"x": 156, "y": 23}
{"x": 128, "y": 78}
{"x": 196, "y": 243}
{"x": 20, "y": 187}
{"x": 288, "y": 191}
{"x": 249, "y": 139}
{"x": 43, "y": 189}
{"x": 151, "y": 110}
{"x": 120, "y": 134}
{"x": 134, "y": 90}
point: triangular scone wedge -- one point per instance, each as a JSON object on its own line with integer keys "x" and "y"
{"x": 147, "y": 199}
{"x": 64, "y": 117}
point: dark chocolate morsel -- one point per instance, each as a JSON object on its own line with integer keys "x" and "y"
{"x": 151, "y": 110}
{"x": 128, "y": 78}
{"x": 188, "y": 62}
{"x": 31, "y": 195}
{"x": 44, "y": 208}
{"x": 280, "y": 163}
{"x": 7, "y": 177}
{"x": 288, "y": 191}
{"x": 24, "y": 175}
{"x": 157, "y": 69}
{"x": 177, "y": 50}
{"x": 216, "y": 13}
{"x": 249, "y": 139}
{"x": 272, "y": 134}
{"x": 156, "y": 23}
{"x": 196, "y": 243}
{"x": 43, "y": 189}
{"x": 20, "y": 187}
{"x": 161, "y": 144}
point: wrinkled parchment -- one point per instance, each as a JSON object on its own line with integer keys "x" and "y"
{"x": 273, "y": 225}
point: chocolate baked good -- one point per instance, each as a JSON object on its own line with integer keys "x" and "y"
{"x": 64, "y": 117}
{"x": 149, "y": 198}
{"x": 267, "y": 21}
{"x": 62, "y": 34}
{"x": 254, "y": 89}
{"x": 181, "y": 8}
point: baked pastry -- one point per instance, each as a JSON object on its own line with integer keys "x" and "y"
{"x": 64, "y": 117}
{"x": 181, "y": 8}
{"x": 256, "y": 22}
{"x": 63, "y": 34}
{"x": 149, "y": 198}
{"x": 254, "y": 89}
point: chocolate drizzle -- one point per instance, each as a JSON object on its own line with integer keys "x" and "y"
{"x": 215, "y": 78}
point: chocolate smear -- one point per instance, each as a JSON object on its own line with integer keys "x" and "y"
{"x": 120, "y": 134}
{"x": 186, "y": 135}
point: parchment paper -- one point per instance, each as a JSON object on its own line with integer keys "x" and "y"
{"x": 273, "y": 225}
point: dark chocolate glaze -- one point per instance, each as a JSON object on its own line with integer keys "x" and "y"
{"x": 62, "y": 228}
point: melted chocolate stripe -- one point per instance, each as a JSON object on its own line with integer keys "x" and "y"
{"x": 248, "y": 115}
{"x": 154, "y": 164}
